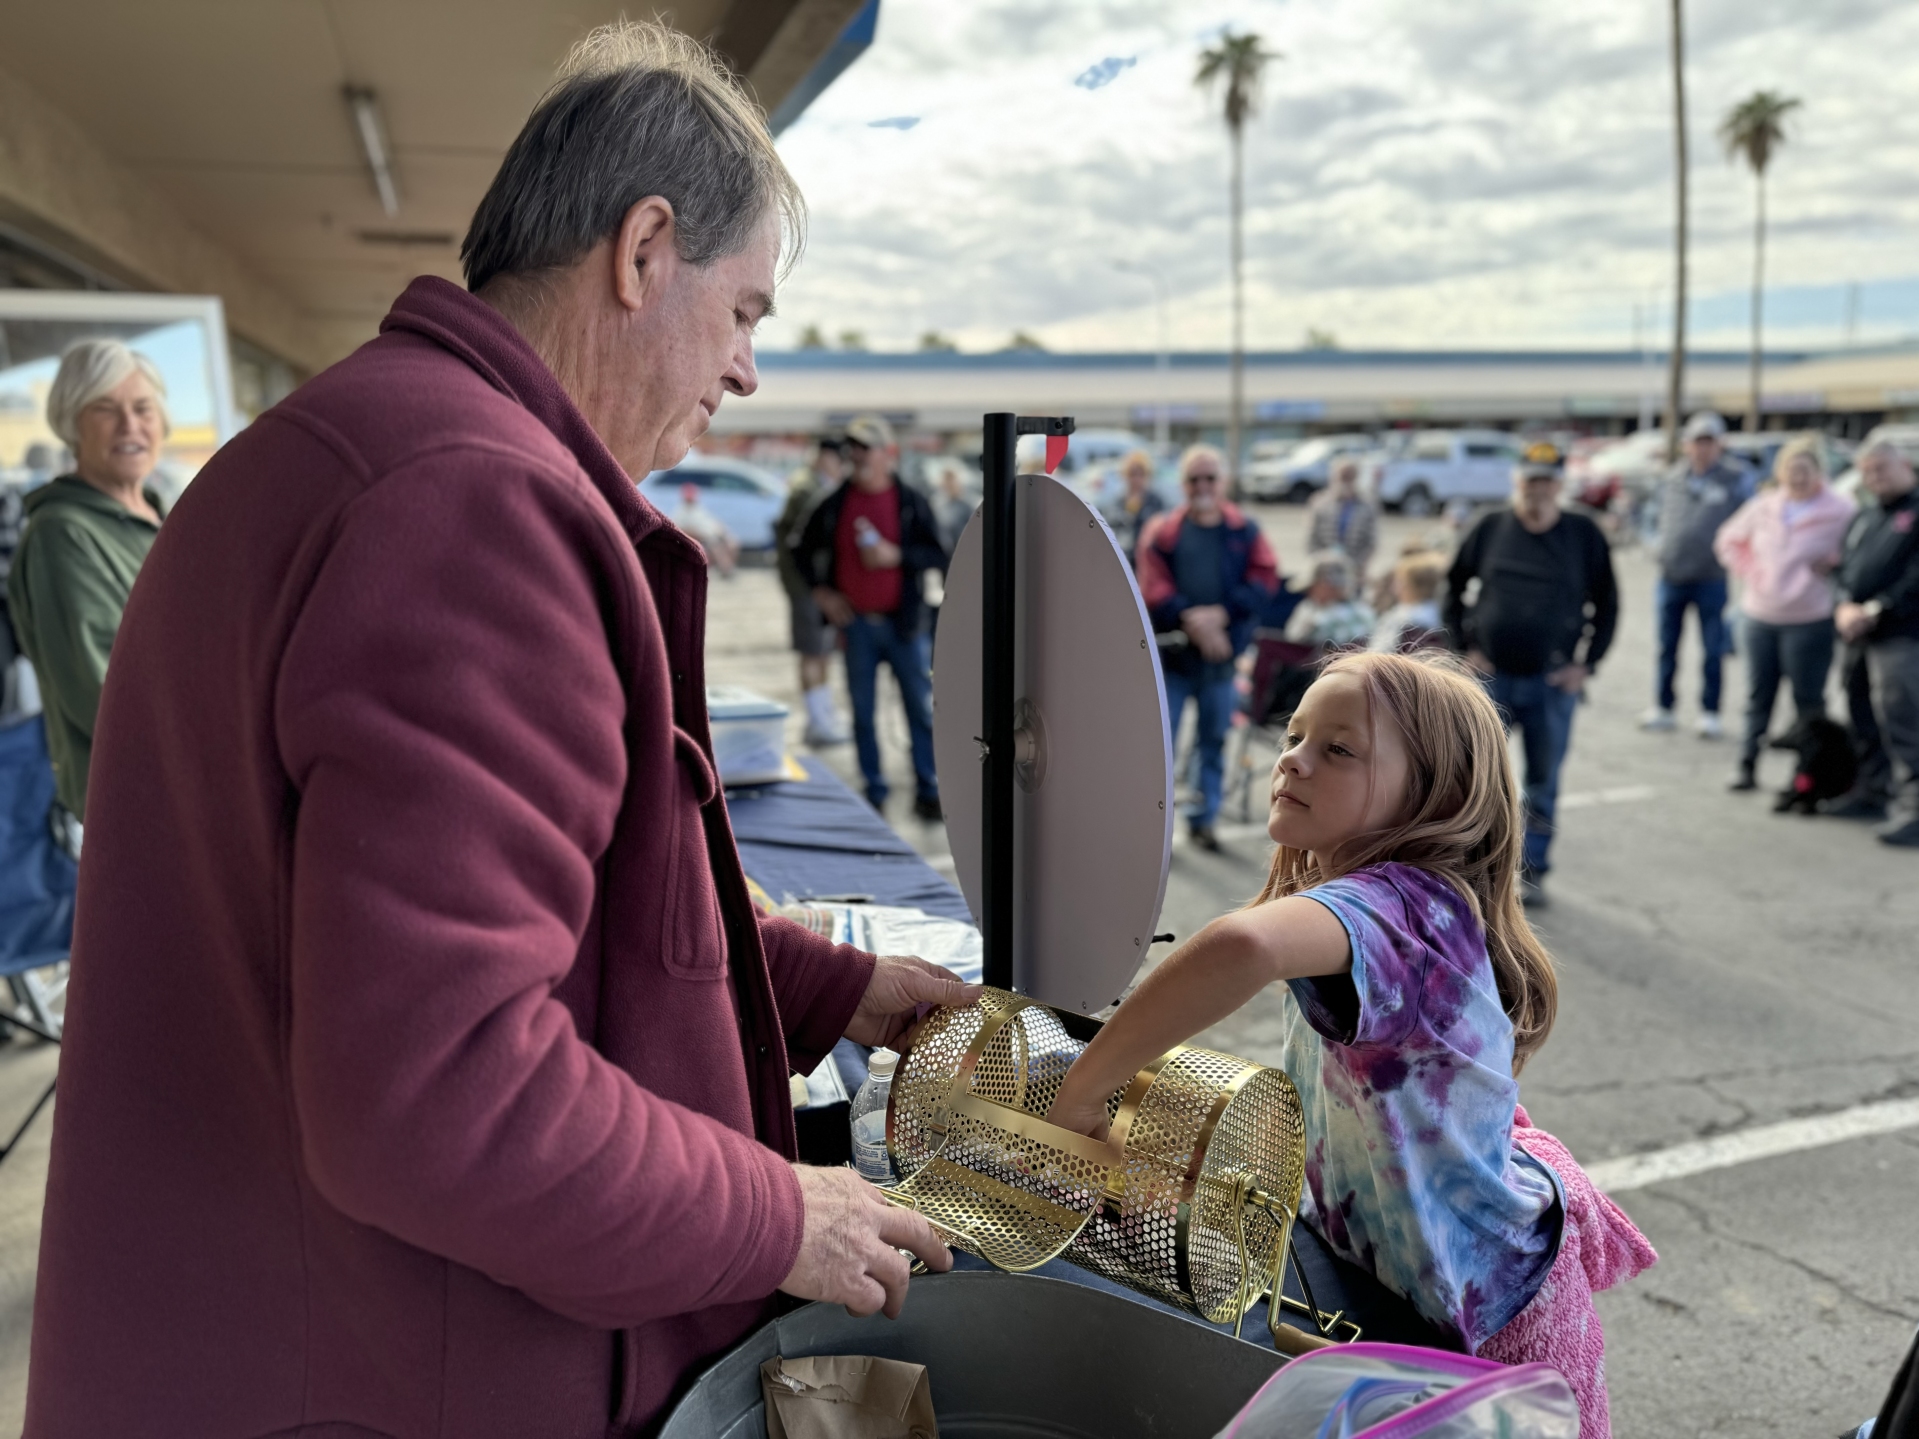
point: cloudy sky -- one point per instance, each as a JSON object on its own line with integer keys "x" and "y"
{"x": 1474, "y": 173}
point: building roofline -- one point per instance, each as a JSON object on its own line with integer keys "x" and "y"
{"x": 1289, "y": 359}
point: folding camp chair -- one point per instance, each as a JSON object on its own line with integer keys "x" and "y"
{"x": 37, "y": 882}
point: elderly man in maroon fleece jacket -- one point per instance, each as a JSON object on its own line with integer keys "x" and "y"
{"x": 427, "y": 1065}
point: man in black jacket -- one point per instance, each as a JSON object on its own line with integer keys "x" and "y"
{"x": 1541, "y": 622}
{"x": 866, "y": 549}
{"x": 1878, "y": 580}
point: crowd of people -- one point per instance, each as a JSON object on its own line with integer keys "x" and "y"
{"x": 1526, "y": 593}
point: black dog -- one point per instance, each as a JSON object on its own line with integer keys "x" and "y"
{"x": 1827, "y": 765}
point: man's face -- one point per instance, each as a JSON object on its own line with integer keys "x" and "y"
{"x": 872, "y": 468}
{"x": 1886, "y": 477}
{"x": 697, "y": 343}
{"x": 1535, "y": 492}
{"x": 1201, "y": 483}
{"x": 1704, "y": 452}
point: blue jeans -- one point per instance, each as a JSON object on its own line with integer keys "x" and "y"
{"x": 869, "y": 640}
{"x": 1543, "y": 715}
{"x": 1709, "y": 598}
{"x": 1799, "y": 653}
{"x": 1216, "y": 699}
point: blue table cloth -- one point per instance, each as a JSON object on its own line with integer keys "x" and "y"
{"x": 815, "y": 838}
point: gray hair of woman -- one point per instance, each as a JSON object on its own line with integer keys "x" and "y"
{"x": 90, "y": 369}
{"x": 1334, "y": 567}
{"x": 638, "y": 109}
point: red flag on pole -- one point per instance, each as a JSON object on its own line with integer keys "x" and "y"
{"x": 1055, "y": 451}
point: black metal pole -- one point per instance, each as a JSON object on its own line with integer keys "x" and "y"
{"x": 999, "y": 638}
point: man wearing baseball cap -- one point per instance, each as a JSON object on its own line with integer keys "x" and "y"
{"x": 1542, "y": 621}
{"x": 1695, "y": 499}
{"x": 866, "y": 549}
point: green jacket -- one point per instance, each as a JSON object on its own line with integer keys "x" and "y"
{"x": 68, "y": 587}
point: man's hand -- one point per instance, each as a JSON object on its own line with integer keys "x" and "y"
{"x": 1207, "y": 626}
{"x": 1480, "y": 664}
{"x": 850, "y": 1247}
{"x": 899, "y": 986}
{"x": 1570, "y": 678}
{"x": 833, "y": 605}
{"x": 1852, "y": 620}
{"x": 876, "y": 551}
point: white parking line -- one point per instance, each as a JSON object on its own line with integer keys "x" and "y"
{"x": 1701, "y": 1156}
{"x": 1625, "y": 794}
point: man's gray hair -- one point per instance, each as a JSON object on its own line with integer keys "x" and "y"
{"x": 638, "y": 109}
{"x": 88, "y": 370}
{"x": 1882, "y": 450}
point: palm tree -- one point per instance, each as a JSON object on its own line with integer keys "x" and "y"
{"x": 1676, "y": 362}
{"x": 1753, "y": 130}
{"x": 1239, "y": 61}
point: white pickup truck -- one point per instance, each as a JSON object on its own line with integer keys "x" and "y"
{"x": 1444, "y": 465}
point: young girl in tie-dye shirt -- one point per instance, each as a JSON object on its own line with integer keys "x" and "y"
{"x": 1417, "y": 990}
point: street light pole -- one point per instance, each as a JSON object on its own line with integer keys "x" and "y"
{"x": 1162, "y": 417}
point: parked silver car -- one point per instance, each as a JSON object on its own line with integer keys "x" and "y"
{"x": 1305, "y": 468}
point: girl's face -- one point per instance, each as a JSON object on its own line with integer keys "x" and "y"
{"x": 1340, "y": 774}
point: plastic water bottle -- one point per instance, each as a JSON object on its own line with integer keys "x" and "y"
{"x": 870, "y": 1155}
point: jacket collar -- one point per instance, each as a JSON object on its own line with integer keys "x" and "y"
{"x": 72, "y": 490}
{"x": 482, "y": 337}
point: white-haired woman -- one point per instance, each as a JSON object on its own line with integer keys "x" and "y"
{"x": 87, "y": 535}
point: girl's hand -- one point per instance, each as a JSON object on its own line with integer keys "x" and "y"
{"x": 1082, "y": 1116}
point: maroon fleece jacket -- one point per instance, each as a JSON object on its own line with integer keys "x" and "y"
{"x": 426, "y": 1064}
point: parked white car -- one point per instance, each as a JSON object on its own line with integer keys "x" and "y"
{"x": 1304, "y": 469}
{"x": 744, "y": 498}
{"x": 1444, "y": 465}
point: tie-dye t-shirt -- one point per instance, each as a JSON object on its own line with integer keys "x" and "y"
{"x": 1405, "y": 1075}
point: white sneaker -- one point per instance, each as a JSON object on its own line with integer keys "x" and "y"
{"x": 1709, "y": 726}
{"x": 823, "y": 723}
{"x": 1658, "y": 720}
{"x": 819, "y": 736}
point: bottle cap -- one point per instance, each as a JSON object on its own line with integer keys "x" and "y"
{"x": 881, "y": 1063}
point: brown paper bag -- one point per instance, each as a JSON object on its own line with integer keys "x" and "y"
{"x": 847, "y": 1396}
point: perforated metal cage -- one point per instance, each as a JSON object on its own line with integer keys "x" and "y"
{"x": 1198, "y": 1215}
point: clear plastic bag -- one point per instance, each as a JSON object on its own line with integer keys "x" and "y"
{"x": 1392, "y": 1391}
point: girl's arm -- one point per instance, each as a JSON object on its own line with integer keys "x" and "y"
{"x": 1199, "y": 984}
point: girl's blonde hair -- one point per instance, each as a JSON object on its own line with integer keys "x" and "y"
{"x": 1463, "y": 821}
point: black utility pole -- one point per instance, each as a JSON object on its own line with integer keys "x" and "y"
{"x": 999, "y": 647}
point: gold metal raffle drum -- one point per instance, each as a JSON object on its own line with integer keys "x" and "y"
{"x": 1200, "y": 1213}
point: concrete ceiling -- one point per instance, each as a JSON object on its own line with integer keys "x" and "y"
{"x": 232, "y": 110}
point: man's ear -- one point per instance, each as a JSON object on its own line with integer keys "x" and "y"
{"x": 644, "y": 256}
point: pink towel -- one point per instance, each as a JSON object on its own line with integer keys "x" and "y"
{"x": 1560, "y": 1326}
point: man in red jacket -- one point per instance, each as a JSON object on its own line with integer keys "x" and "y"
{"x": 426, "y": 1065}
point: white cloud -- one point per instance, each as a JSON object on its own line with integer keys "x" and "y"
{"x": 1492, "y": 173}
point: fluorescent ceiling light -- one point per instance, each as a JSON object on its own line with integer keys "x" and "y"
{"x": 372, "y": 133}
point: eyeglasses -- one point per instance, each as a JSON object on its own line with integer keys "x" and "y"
{"x": 1202, "y": 477}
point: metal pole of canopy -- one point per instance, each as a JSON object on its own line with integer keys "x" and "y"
{"x": 999, "y": 625}
{"x": 999, "y": 637}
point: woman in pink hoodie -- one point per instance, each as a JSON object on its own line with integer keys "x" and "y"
{"x": 1783, "y": 545}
